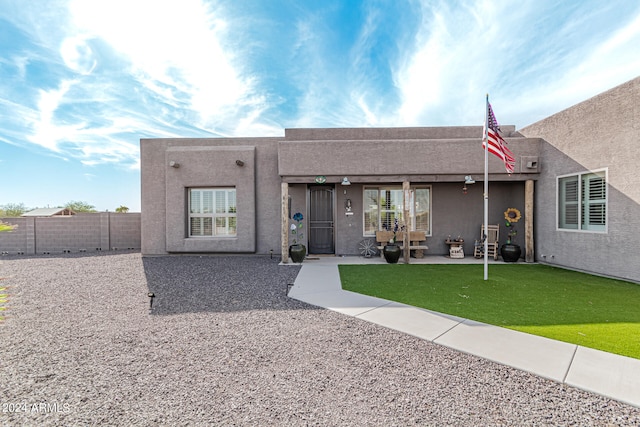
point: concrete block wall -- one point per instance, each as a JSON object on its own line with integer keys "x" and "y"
{"x": 79, "y": 233}
{"x": 124, "y": 231}
{"x": 70, "y": 234}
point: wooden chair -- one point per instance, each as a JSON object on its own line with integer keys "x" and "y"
{"x": 492, "y": 236}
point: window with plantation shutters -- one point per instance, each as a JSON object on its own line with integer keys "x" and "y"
{"x": 582, "y": 201}
{"x": 212, "y": 212}
{"x": 383, "y": 205}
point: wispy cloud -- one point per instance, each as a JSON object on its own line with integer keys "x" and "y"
{"x": 93, "y": 77}
{"x": 129, "y": 69}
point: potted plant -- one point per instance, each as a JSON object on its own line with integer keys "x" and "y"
{"x": 391, "y": 250}
{"x": 510, "y": 251}
{"x": 297, "y": 251}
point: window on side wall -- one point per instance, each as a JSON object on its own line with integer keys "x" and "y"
{"x": 212, "y": 212}
{"x": 382, "y": 206}
{"x": 582, "y": 201}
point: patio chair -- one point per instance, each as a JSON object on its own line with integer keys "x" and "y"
{"x": 492, "y": 237}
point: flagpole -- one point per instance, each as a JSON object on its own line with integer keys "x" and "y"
{"x": 486, "y": 189}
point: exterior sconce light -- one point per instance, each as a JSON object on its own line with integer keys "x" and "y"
{"x": 347, "y": 205}
{"x": 345, "y": 181}
{"x": 467, "y": 180}
{"x": 239, "y": 163}
{"x": 174, "y": 164}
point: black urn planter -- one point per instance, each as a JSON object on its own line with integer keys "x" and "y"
{"x": 391, "y": 253}
{"x": 297, "y": 252}
{"x": 510, "y": 252}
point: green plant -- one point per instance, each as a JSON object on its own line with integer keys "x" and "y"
{"x": 7, "y": 227}
{"x": 78, "y": 206}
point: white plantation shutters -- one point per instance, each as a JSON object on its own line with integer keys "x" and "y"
{"x": 594, "y": 202}
{"x": 382, "y": 206}
{"x": 212, "y": 212}
{"x": 582, "y": 202}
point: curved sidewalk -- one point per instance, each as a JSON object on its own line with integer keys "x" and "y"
{"x": 610, "y": 375}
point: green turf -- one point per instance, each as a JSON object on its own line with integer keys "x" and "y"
{"x": 556, "y": 303}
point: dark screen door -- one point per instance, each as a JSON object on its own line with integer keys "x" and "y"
{"x": 321, "y": 220}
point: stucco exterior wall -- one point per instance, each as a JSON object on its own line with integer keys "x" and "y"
{"x": 600, "y": 133}
{"x": 383, "y": 159}
{"x": 374, "y": 157}
{"x": 209, "y": 162}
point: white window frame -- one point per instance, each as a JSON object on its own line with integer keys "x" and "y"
{"x": 399, "y": 208}
{"x": 582, "y": 206}
{"x": 228, "y": 214}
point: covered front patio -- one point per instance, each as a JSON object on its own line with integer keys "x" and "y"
{"x": 366, "y": 179}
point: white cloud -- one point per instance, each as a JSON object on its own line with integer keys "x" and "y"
{"x": 176, "y": 49}
{"x": 78, "y": 55}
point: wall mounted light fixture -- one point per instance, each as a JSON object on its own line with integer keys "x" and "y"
{"x": 174, "y": 164}
{"x": 345, "y": 181}
{"x": 347, "y": 205}
{"x": 467, "y": 180}
{"x": 239, "y": 163}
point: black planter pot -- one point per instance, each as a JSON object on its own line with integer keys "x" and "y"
{"x": 510, "y": 252}
{"x": 391, "y": 253}
{"x": 297, "y": 252}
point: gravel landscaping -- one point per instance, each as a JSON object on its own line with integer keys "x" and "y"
{"x": 224, "y": 345}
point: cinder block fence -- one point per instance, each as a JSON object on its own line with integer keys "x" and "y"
{"x": 78, "y": 233}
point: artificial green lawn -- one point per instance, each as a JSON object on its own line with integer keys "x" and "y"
{"x": 565, "y": 305}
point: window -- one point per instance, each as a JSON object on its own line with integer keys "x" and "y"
{"x": 382, "y": 206}
{"x": 212, "y": 212}
{"x": 582, "y": 201}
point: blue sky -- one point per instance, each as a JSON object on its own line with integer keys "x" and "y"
{"x": 81, "y": 81}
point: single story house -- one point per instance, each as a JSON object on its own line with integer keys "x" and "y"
{"x": 573, "y": 182}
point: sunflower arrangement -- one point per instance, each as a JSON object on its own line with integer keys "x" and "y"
{"x": 511, "y": 216}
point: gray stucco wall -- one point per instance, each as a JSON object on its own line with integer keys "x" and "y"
{"x": 439, "y": 157}
{"x": 392, "y": 159}
{"x": 209, "y": 162}
{"x": 602, "y": 132}
{"x": 83, "y": 232}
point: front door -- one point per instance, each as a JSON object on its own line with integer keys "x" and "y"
{"x": 321, "y": 220}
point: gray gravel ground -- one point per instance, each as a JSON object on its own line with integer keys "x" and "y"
{"x": 225, "y": 346}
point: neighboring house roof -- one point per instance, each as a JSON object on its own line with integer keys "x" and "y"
{"x": 50, "y": 212}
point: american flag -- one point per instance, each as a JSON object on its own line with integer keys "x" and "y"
{"x": 497, "y": 145}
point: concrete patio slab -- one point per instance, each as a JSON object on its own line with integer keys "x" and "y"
{"x": 607, "y": 374}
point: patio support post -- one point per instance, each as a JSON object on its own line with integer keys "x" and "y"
{"x": 406, "y": 195}
{"x": 528, "y": 221}
{"x": 284, "y": 238}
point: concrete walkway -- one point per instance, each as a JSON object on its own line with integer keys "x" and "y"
{"x": 610, "y": 375}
